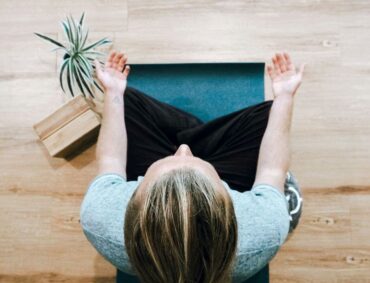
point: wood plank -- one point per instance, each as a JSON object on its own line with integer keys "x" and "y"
{"x": 56, "y": 243}
{"x": 43, "y": 15}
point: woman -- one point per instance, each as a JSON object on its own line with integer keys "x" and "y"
{"x": 192, "y": 204}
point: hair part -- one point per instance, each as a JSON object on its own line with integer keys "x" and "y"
{"x": 184, "y": 231}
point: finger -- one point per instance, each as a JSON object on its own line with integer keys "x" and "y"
{"x": 108, "y": 63}
{"x": 284, "y": 61}
{"x": 288, "y": 61}
{"x": 270, "y": 71}
{"x": 301, "y": 68}
{"x": 122, "y": 62}
{"x": 116, "y": 63}
{"x": 281, "y": 62}
{"x": 127, "y": 70}
{"x": 117, "y": 57}
{"x": 116, "y": 60}
{"x": 276, "y": 65}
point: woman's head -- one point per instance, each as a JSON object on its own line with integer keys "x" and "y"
{"x": 180, "y": 224}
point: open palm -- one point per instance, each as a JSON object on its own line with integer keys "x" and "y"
{"x": 285, "y": 77}
{"x": 115, "y": 72}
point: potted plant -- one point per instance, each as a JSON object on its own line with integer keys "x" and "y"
{"x": 79, "y": 118}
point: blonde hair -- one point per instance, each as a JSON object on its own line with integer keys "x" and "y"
{"x": 185, "y": 231}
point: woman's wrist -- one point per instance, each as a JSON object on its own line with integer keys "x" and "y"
{"x": 284, "y": 100}
{"x": 114, "y": 96}
{"x": 114, "y": 92}
{"x": 281, "y": 115}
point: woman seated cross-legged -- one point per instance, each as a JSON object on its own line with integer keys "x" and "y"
{"x": 177, "y": 200}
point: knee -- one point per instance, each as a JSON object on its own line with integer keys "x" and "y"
{"x": 260, "y": 110}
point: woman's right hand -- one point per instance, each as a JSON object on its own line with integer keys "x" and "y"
{"x": 285, "y": 77}
{"x": 113, "y": 76}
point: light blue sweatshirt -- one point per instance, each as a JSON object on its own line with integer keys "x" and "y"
{"x": 262, "y": 217}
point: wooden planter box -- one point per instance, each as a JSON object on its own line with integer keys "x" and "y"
{"x": 70, "y": 126}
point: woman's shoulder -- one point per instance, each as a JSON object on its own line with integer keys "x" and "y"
{"x": 263, "y": 224}
{"x": 102, "y": 216}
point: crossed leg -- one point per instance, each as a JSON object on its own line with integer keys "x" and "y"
{"x": 230, "y": 143}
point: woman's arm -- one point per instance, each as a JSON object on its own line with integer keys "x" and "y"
{"x": 111, "y": 150}
{"x": 274, "y": 155}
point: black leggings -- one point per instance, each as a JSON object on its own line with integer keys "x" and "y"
{"x": 230, "y": 143}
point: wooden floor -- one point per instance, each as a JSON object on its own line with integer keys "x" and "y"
{"x": 40, "y": 236}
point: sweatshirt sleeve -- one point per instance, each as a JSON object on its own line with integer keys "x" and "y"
{"x": 263, "y": 226}
{"x": 275, "y": 206}
{"x": 102, "y": 216}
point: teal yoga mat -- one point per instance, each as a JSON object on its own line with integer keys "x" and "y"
{"x": 207, "y": 90}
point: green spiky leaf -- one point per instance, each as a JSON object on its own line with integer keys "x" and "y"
{"x": 89, "y": 80}
{"x": 96, "y": 44}
{"x": 78, "y": 79}
{"x": 94, "y": 53}
{"x": 61, "y": 74}
{"x": 72, "y": 40}
{"x": 98, "y": 86}
{"x": 85, "y": 64}
{"x": 50, "y": 40}
{"x": 82, "y": 19}
{"x": 85, "y": 82}
{"x": 84, "y": 39}
{"x": 70, "y": 79}
{"x": 76, "y": 39}
{"x": 80, "y": 29}
{"x": 66, "y": 31}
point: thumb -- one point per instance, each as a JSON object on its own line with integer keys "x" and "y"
{"x": 301, "y": 68}
{"x": 127, "y": 70}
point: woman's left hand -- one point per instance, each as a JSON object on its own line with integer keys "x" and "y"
{"x": 285, "y": 77}
{"x": 115, "y": 72}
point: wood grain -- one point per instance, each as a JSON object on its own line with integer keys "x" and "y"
{"x": 40, "y": 237}
{"x": 60, "y": 117}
